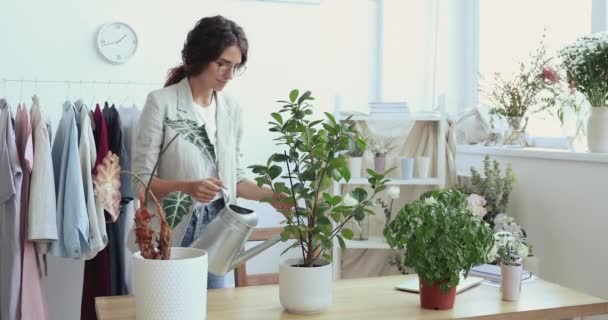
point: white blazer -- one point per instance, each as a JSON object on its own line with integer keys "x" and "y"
{"x": 183, "y": 160}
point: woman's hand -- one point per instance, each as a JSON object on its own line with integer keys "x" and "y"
{"x": 282, "y": 201}
{"x": 204, "y": 190}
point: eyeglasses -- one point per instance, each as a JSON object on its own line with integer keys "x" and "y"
{"x": 225, "y": 68}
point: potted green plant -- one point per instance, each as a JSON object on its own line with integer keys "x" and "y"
{"x": 313, "y": 157}
{"x": 509, "y": 251}
{"x": 380, "y": 149}
{"x": 444, "y": 239}
{"x": 356, "y": 148}
{"x": 162, "y": 274}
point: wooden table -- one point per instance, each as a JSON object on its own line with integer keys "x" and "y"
{"x": 375, "y": 298}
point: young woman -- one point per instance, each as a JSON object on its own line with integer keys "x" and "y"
{"x": 215, "y": 51}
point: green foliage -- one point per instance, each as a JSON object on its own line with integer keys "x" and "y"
{"x": 443, "y": 237}
{"x": 494, "y": 187}
{"x": 313, "y": 157}
{"x": 176, "y": 206}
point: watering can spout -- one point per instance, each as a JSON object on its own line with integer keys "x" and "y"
{"x": 248, "y": 254}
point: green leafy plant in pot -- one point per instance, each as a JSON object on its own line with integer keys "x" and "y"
{"x": 314, "y": 155}
{"x": 442, "y": 239}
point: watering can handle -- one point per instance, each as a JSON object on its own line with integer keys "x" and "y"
{"x": 226, "y": 195}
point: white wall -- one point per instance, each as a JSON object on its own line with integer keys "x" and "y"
{"x": 562, "y": 206}
{"x": 54, "y": 40}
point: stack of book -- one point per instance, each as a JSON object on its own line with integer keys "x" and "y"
{"x": 491, "y": 273}
{"x": 388, "y": 108}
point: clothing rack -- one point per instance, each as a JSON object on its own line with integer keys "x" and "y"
{"x": 70, "y": 82}
{"x": 109, "y": 82}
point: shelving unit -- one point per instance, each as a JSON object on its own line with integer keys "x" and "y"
{"x": 438, "y": 181}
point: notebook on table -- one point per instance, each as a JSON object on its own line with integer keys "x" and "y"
{"x": 412, "y": 285}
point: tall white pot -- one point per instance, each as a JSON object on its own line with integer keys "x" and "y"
{"x": 597, "y": 130}
{"x": 354, "y": 166}
{"x": 305, "y": 290}
{"x": 171, "y": 289}
{"x": 510, "y": 282}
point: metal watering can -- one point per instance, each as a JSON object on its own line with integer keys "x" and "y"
{"x": 225, "y": 237}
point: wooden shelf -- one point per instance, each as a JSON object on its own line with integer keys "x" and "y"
{"x": 371, "y": 243}
{"x": 399, "y": 182}
{"x": 418, "y": 116}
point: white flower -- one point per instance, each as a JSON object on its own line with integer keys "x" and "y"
{"x": 393, "y": 192}
{"x": 476, "y": 203}
{"x": 349, "y": 201}
{"x": 430, "y": 201}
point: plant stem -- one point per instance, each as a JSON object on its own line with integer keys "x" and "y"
{"x": 162, "y": 152}
{"x": 293, "y": 194}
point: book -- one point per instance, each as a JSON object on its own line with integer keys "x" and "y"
{"x": 413, "y": 285}
{"x": 492, "y": 272}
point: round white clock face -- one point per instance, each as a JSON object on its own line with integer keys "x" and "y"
{"x": 117, "y": 42}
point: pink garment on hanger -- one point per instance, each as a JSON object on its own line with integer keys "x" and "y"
{"x": 33, "y": 300}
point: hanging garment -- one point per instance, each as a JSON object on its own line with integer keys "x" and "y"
{"x": 116, "y": 245}
{"x": 42, "y": 215}
{"x": 129, "y": 119}
{"x": 72, "y": 219}
{"x": 10, "y": 220}
{"x": 96, "y": 282}
{"x": 98, "y": 237}
{"x": 33, "y": 299}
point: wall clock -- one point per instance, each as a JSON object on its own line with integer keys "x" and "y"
{"x": 117, "y": 42}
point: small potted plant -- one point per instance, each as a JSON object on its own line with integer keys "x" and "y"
{"x": 380, "y": 149}
{"x": 444, "y": 239}
{"x": 356, "y": 148}
{"x": 162, "y": 274}
{"x": 508, "y": 251}
{"x": 312, "y": 159}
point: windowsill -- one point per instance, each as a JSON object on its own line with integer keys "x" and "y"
{"x": 534, "y": 153}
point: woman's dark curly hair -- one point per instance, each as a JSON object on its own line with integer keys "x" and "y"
{"x": 205, "y": 44}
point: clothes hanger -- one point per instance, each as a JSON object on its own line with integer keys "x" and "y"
{"x": 127, "y": 96}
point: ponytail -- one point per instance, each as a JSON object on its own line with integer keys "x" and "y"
{"x": 176, "y": 75}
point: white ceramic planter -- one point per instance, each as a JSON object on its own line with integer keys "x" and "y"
{"x": 304, "y": 290}
{"x": 597, "y": 130}
{"x": 171, "y": 289}
{"x": 510, "y": 282}
{"x": 354, "y": 166}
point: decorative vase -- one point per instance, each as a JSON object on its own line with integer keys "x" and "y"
{"x": 432, "y": 297}
{"x": 379, "y": 163}
{"x": 516, "y": 134}
{"x": 171, "y": 289}
{"x": 364, "y": 228}
{"x": 305, "y": 290}
{"x": 597, "y": 130}
{"x": 354, "y": 166}
{"x": 510, "y": 282}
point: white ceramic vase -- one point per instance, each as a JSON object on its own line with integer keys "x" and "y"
{"x": 354, "y": 166}
{"x": 171, "y": 289}
{"x": 510, "y": 282}
{"x": 305, "y": 290}
{"x": 597, "y": 130}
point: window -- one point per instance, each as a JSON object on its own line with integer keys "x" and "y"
{"x": 509, "y": 31}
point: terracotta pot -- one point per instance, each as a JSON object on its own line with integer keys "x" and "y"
{"x": 432, "y": 297}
